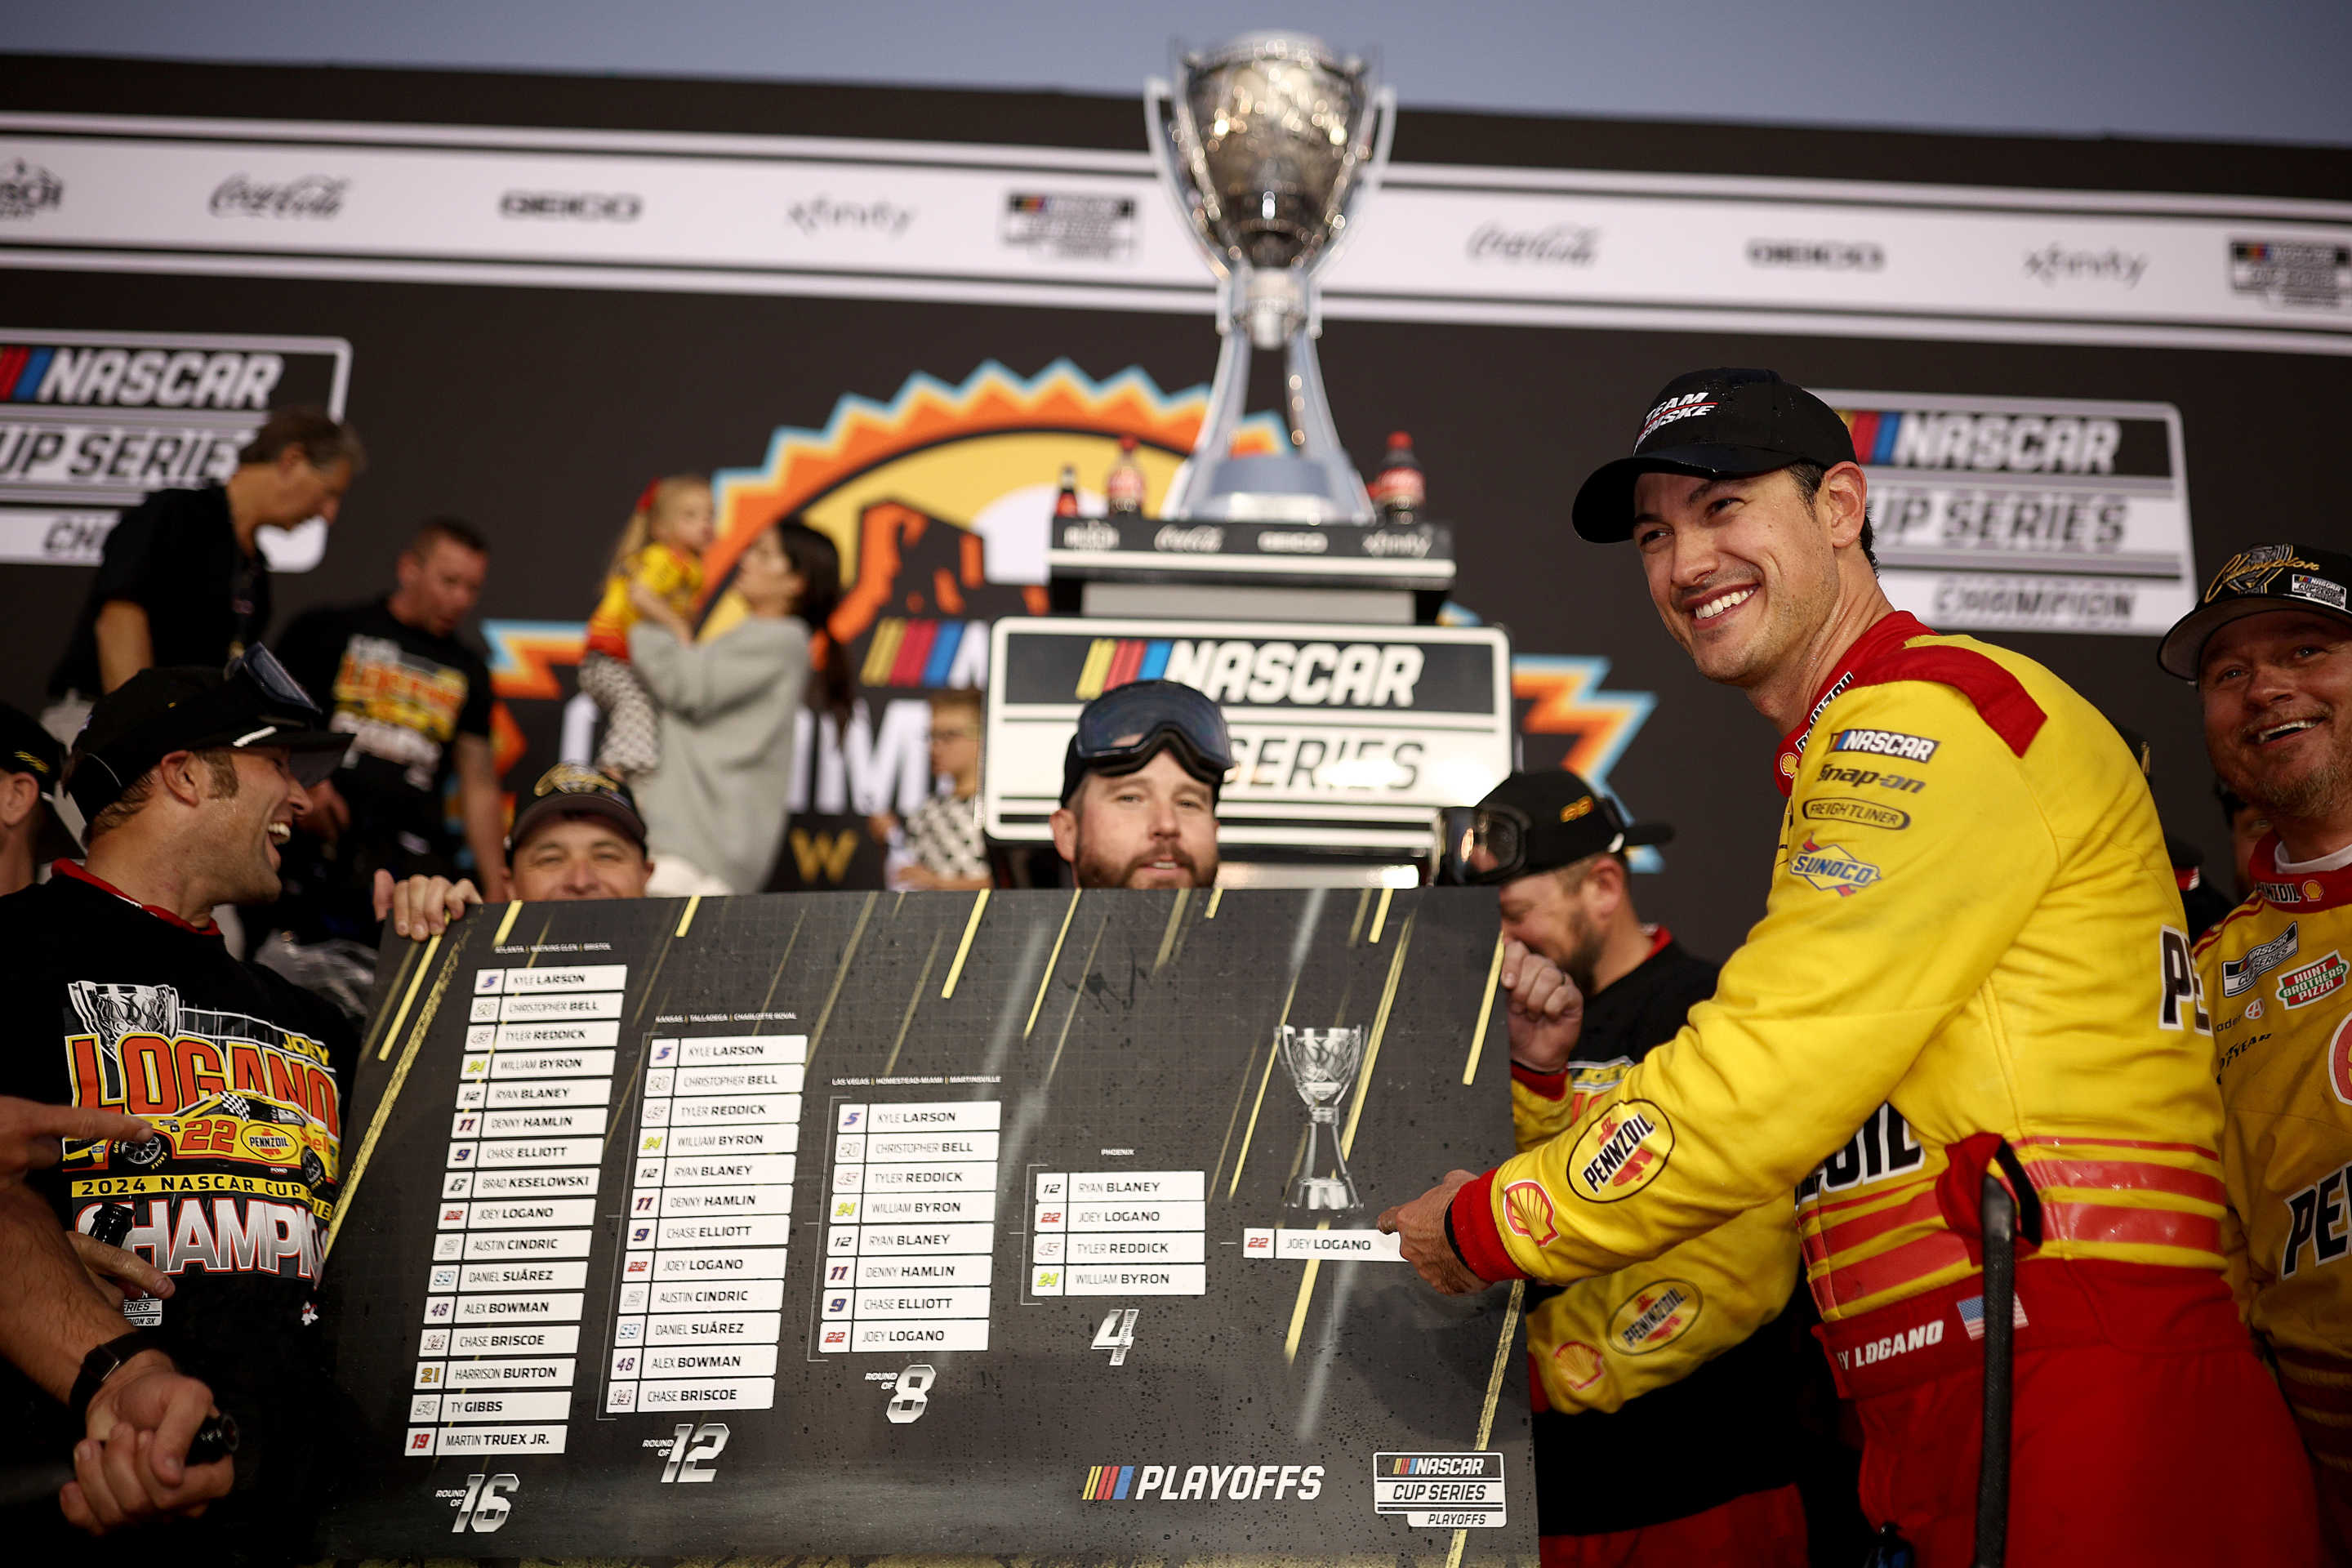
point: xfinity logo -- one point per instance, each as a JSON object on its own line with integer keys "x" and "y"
{"x": 1818, "y": 255}
{"x": 821, "y": 213}
{"x": 2054, "y": 264}
{"x": 1191, "y": 540}
{"x": 1413, "y": 544}
{"x": 26, "y": 188}
{"x": 1561, "y": 245}
{"x": 305, "y": 196}
{"x": 591, "y": 206}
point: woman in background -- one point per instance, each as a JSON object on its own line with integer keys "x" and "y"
{"x": 716, "y": 807}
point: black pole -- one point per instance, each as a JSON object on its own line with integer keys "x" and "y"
{"x": 1999, "y": 1217}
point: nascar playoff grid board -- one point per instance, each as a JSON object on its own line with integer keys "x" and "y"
{"x": 863, "y": 1224}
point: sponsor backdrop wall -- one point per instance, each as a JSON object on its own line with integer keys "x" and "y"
{"x": 2081, "y": 373}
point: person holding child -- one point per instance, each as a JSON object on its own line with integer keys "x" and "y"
{"x": 656, "y": 576}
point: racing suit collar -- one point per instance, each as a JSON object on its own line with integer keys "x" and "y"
{"x": 74, "y": 870}
{"x": 1884, "y": 635}
{"x": 2299, "y": 890}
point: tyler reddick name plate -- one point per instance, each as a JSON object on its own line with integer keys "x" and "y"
{"x": 863, "y": 1225}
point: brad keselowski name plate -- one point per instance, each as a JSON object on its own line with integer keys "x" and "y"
{"x": 1010, "y": 1223}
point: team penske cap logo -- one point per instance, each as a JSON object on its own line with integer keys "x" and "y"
{"x": 1622, "y": 1151}
{"x": 1655, "y": 1316}
{"x": 1526, "y": 1209}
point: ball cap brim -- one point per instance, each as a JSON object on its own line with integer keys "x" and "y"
{"x": 2257, "y": 582}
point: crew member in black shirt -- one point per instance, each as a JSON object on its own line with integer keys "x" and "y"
{"x": 121, "y": 997}
{"x": 181, "y": 580}
{"x": 416, "y": 703}
{"x": 1634, "y": 1468}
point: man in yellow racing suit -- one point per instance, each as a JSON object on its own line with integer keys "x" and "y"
{"x": 2270, "y": 647}
{"x": 1971, "y": 953}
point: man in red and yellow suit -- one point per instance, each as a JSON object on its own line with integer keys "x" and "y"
{"x": 1972, "y": 953}
{"x": 2270, "y": 648}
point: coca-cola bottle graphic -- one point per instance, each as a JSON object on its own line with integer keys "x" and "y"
{"x": 1124, "y": 487}
{"x": 1399, "y": 491}
{"x": 1066, "y": 503}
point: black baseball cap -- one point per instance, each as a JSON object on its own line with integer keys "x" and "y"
{"x": 1535, "y": 822}
{"x": 2255, "y": 582}
{"x": 1127, "y": 726}
{"x": 567, "y": 789}
{"x": 254, "y": 705}
{"x": 1720, "y": 425}
{"x": 27, "y": 748}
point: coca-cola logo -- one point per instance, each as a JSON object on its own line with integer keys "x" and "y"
{"x": 1560, "y": 244}
{"x": 1202, "y": 541}
{"x": 1413, "y": 544}
{"x": 304, "y": 196}
{"x": 26, "y": 188}
{"x": 1294, "y": 544}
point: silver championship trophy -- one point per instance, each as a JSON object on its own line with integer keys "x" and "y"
{"x": 1265, "y": 144}
{"x": 1322, "y": 1065}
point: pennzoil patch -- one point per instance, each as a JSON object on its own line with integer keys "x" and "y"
{"x": 1622, "y": 1151}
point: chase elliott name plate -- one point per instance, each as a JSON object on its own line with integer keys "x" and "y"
{"x": 1006, "y": 1225}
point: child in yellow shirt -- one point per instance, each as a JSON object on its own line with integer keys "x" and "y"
{"x": 656, "y": 575}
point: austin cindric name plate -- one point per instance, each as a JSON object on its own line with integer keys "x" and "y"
{"x": 1017, "y": 1224}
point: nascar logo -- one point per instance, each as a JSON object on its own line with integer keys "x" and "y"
{"x": 138, "y": 378}
{"x": 2013, "y": 443}
{"x": 926, "y": 655}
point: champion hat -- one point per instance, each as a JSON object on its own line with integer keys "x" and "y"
{"x": 27, "y": 748}
{"x": 1714, "y": 424}
{"x": 567, "y": 789}
{"x": 2254, "y": 581}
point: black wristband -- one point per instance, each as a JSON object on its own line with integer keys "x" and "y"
{"x": 104, "y": 1362}
{"x": 1453, "y": 1244}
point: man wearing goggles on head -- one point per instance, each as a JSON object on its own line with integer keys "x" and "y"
{"x": 1710, "y": 1377}
{"x": 1140, "y": 788}
{"x": 121, "y": 998}
{"x": 1969, "y": 996}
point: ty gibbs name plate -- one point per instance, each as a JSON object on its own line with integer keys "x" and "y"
{"x": 1418, "y": 555}
{"x": 1345, "y": 738}
{"x": 861, "y": 1225}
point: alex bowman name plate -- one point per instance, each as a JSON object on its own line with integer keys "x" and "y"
{"x": 1345, "y": 738}
{"x": 866, "y": 1224}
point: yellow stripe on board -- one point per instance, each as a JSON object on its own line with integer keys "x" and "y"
{"x": 848, "y": 953}
{"x": 1256, "y": 1105}
{"x": 1372, "y": 1047}
{"x": 1299, "y": 1310}
{"x": 424, "y": 964}
{"x": 1494, "y": 1397}
{"x": 351, "y": 1182}
{"x": 1052, "y": 959}
{"x": 1216, "y": 895}
{"x": 686, "y": 916}
{"x": 1486, "y": 1011}
{"x": 1381, "y": 916}
{"x": 1175, "y": 924}
{"x": 505, "y": 923}
{"x": 955, "y": 970}
{"x": 1096, "y": 668}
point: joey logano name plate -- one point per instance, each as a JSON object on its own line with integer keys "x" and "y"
{"x": 878, "y": 1224}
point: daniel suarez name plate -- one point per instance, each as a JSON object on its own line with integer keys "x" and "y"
{"x": 881, "y": 1224}
{"x": 1345, "y": 738}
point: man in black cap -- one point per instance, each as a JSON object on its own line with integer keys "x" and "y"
{"x": 1971, "y": 970}
{"x": 1722, "y": 1396}
{"x": 2270, "y": 648}
{"x": 31, "y": 762}
{"x": 121, "y": 998}
{"x": 1140, "y": 788}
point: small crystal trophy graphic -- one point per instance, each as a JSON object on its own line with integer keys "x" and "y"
{"x": 1322, "y": 1064}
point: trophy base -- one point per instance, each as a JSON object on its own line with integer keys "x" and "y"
{"x": 1323, "y": 1195}
{"x": 1277, "y": 487}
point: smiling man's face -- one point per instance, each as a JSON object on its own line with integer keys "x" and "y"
{"x": 2277, "y": 690}
{"x": 1742, "y": 570}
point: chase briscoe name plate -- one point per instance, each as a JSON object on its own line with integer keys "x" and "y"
{"x": 1345, "y": 738}
{"x": 1441, "y": 1491}
{"x": 1144, "y": 548}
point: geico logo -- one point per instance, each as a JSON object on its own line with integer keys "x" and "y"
{"x": 1324, "y": 765}
{"x": 1293, "y": 543}
{"x": 167, "y": 378}
{"x": 1359, "y": 675}
{"x": 2007, "y": 443}
{"x": 611, "y": 206}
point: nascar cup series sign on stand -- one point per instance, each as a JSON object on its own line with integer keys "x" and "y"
{"x": 1345, "y": 738}
{"x": 2026, "y": 514}
{"x": 91, "y": 421}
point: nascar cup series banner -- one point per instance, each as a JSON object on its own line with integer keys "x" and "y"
{"x": 1007, "y": 1225}
{"x": 2075, "y": 382}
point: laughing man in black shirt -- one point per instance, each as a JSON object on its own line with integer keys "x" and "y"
{"x": 1666, "y": 1424}
{"x": 181, "y": 580}
{"x": 121, "y": 997}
